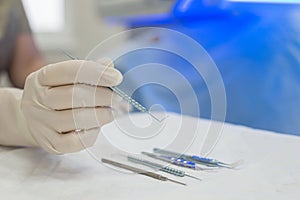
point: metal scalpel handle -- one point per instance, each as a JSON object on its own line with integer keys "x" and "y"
{"x": 123, "y": 95}
{"x": 140, "y": 171}
{"x": 134, "y": 103}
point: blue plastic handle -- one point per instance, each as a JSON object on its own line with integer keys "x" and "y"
{"x": 201, "y": 159}
{"x": 182, "y": 162}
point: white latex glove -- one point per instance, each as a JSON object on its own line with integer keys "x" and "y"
{"x": 64, "y": 105}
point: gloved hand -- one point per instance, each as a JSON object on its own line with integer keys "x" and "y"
{"x": 64, "y": 105}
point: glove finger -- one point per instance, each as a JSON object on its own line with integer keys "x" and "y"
{"x": 72, "y": 142}
{"x": 106, "y": 62}
{"x": 78, "y": 96}
{"x": 83, "y": 118}
{"x": 79, "y": 71}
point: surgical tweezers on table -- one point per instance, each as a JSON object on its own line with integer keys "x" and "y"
{"x": 199, "y": 160}
{"x": 157, "y": 166}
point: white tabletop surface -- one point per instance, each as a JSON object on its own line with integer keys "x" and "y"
{"x": 271, "y": 170}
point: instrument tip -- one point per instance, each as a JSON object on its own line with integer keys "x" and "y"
{"x": 194, "y": 177}
{"x": 178, "y": 182}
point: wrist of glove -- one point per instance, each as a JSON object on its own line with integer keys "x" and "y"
{"x": 14, "y": 130}
{"x": 65, "y": 104}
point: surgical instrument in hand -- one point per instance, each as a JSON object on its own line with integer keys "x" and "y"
{"x": 176, "y": 161}
{"x": 140, "y": 171}
{"x": 160, "y": 167}
{"x": 123, "y": 95}
{"x": 197, "y": 159}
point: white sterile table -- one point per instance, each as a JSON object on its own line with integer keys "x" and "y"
{"x": 271, "y": 168}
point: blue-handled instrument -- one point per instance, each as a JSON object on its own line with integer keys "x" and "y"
{"x": 197, "y": 159}
{"x": 176, "y": 161}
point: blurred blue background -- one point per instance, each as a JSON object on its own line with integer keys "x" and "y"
{"x": 255, "y": 45}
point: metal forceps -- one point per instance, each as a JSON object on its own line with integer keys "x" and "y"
{"x": 167, "y": 169}
{"x": 124, "y": 96}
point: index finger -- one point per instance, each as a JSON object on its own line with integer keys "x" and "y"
{"x": 79, "y": 71}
